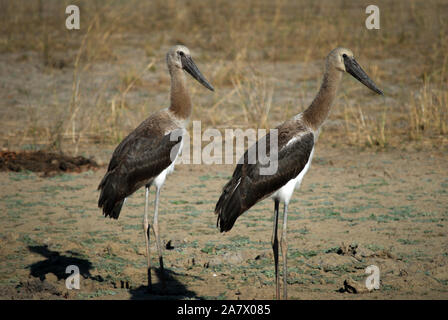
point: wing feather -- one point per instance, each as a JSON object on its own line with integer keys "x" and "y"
{"x": 136, "y": 160}
{"x": 248, "y": 186}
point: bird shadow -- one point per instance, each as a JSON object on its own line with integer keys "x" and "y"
{"x": 174, "y": 289}
{"x": 57, "y": 263}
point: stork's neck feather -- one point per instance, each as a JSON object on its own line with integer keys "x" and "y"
{"x": 319, "y": 109}
{"x": 180, "y": 99}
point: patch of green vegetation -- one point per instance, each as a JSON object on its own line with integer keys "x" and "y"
{"x": 205, "y": 178}
{"x": 306, "y": 254}
{"x": 328, "y": 212}
{"x": 209, "y": 248}
{"x": 240, "y": 240}
{"x": 132, "y": 227}
{"x": 94, "y": 233}
{"x": 112, "y": 264}
{"x": 332, "y": 249}
{"x": 15, "y": 214}
{"x": 221, "y": 296}
{"x": 371, "y": 186}
{"x": 14, "y": 281}
{"x": 410, "y": 197}
{"x": 429, "y": 220}
{"x": 360, "y": 208}
{"x": 22, "y": 175}
{"x": 340, "y": 269}
{"x": 270, "y": 273}
{"x": 231, "y": 285}
{"x": 74, "y": 188}
{"x": 69, "y": 221}
{"x": 306, "y": 203}
{"x": 25, "y": 238}
{"x": 300, "y": 231}
{"x": 199, "y": 186}
{"x": 74, "y": 209}
{"x": 96, "y": 294}
{"x": 387, "y": 287}
{"x": 64, "y": 177}
{"x": 408, "y": 241}
{"x": 190, "y": 211}
{"x": 12, "y": 203}
{"x": 89, "y": 242}
{"x": 374, "y": 247}
{"x": 402, "y": 212}
{"x": 52, "y": 189}
{"x": 178, "y": 201}
{"x": 250, "y": 224}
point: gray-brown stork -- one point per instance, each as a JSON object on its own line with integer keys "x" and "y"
{"x": 148, "y": 154}
{"x": 295, "y": 149}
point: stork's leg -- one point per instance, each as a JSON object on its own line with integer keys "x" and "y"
{"x": 284, "y": 246}
{"x": 275, "y": 249}
{"x": 155, "y": 226}
{"x": 146, "y": 231}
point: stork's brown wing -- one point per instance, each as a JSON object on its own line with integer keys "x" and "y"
{"x": 137, "y": 160}
{"x": 248, "y": 186}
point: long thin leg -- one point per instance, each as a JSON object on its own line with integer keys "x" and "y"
{"x": 146, "y": 232}
{"x": 284, "y": 246}
{"x": 157, "y": 235}
{"x": 275, "y": 249}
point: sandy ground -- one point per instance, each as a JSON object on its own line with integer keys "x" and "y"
{"x": 354, "y": 209}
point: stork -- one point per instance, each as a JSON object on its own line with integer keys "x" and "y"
{"x": 296, "y": 141}
{"x": 148, "y": 154}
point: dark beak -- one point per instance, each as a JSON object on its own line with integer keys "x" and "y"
{"x": 189, "y": 66}
{"x": 352, "y": 67}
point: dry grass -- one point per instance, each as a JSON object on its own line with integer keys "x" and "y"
{"x": 428, "y": 114}
{"x": 255, "y": 98}
{"x": 245, "y": 48}
{"x": 369, "y": 132}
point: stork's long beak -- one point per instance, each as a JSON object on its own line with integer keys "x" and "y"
{"x": 352, "y": 67}
{"x": 189, "y": 66}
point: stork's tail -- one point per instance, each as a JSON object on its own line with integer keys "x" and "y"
{"x": 229, "y": 206}
{"x": 109, "y": 199}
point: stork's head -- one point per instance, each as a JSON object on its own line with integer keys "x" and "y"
{"x": 343, "y": 60}
{"x": 179, "y": 57}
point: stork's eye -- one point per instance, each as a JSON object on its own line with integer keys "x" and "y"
{"x": 180, "y": 53}
{"x": 344, "y": 56}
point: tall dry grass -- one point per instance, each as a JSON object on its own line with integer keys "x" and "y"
{"x": 428, "y": 112}
{"x": 408, "y": 55}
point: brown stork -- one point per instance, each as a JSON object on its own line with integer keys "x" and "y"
{"x": 295, "y": 149}
{"x": 148, "y": 154}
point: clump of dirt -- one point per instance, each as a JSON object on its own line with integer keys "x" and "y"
{"x": 359, "y": 252}
{"x": 352, "y": 286}
{"x": 35, "y": 286}
{"x": 47, "y": 162}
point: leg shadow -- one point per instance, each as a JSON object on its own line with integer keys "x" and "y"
{"x": 174, "y": 290}
{"x": 57, "y": 263}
